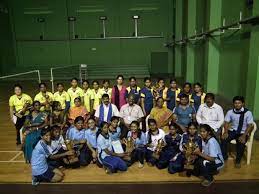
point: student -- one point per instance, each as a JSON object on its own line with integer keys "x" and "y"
{"x": 111, "y": 161}
{"x": 96, "y": 95}
{"x": 172, "y": 140}
{"x": 187, "y": 89}
{"x": 19, "y": 104}
{"x": 77, "y": 135}
{"x": 146, "y": 95}
{"x": 154, "y": 135}
{"x": 114, "y": 129}
{"x": 133, "y": 89}
{"x": 62, "y": 97}
{"x": 161, "y": 90}
{"x": 77, "y": 110}
{"x": 211, "y": 113}
{"x": 210, "y": 159}
{"x": 88, "y": 95}
{"x": 184, "y": 113}
{"x": 91, "y": 135}
{"x": 57, "y": 115}
{"x": 106, "y": 88}
{"x": 238, "y": 125}
{"x": 106, "y": 110}
{"x": 75, "y": 91}
{"x": 44, "y": 97}
{"x": 41, "y": 172}
{"x": 119, "y": 93}
{"x": 172, "y": 94}
{"x": 198, "y": 96}
{"x": 34, "y": 123}
{"x": 139, "y": 138}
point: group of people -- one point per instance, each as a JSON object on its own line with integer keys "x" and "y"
{"x": 168, "y": 127}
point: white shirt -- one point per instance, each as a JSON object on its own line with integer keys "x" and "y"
{"x": 212, "y": 116}
{"x": 131, "y": 113}
{"x": 155, "y": 138}
{"x": 115, "y": 112}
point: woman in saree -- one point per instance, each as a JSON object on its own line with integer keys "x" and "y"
{"x": 31, "y": 131}
{"x": 161, "y": 114}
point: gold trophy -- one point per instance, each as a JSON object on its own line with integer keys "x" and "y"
{"x": 70, "y": 147}
{"x": 21, "y": 112}
{"x": 190, "y": 146}
{"x": 159, "y": 147}
{"x": 129, "y": 143}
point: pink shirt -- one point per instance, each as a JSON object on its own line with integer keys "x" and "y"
{"x": 122, "y": 96}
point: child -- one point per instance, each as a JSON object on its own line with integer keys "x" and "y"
{"x": 184, "y": 113}
{"x": 44, "y": 97}
{"x": 172, "y": 94}
{"x": 106, "y": 88}
{"x": 111, "y": 161}
{"x": 133, "y": 89}
{"x": 172, "y": 140}
{"x": 198, "y": 96}
{"x": 91, "y": 135}
{"x": 88, "y": 95}
{"x": 74, "y": 91}
{"x": 76, "y": 134}
{"x": 114, "y": 129}
{"x": 187, "y": 89}
{"x": 62, "y": 97}
{"x": 139, "y": 138}
{"x": 41, "y": 172}
{"x": 96, "y": 95}
{"x": 210, "y": 159}
{"x": 154, "y": 135}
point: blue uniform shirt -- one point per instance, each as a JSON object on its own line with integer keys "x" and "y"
{"x": 102, "y": 144}
{"x": 75, "y": 135}
{"x": 172, "y": 97}
{"x": 173, "y": 143}
{"x": 39, "y": 157}
{"x": 91, "y": 137}
{"x": 146, "y": 93}
{"x": 184, "y": 116}
{"x": 139, "y": 141}
{"x": 115, "y": 135}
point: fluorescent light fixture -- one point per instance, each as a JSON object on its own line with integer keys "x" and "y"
{"x": 103, "y": 18}
{"x": 135, "y": 17}
{"x": 71, "y": 19}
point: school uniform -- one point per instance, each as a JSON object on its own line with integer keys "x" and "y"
{"x": 135, "y": 92}
{"x": 87, "y": 99}
{"x": 107, "y": 91}
{"x": 153, "y": 139}
{"x": 147, "y": 94}
{"x": 41, "y": 98}
{"x": 172, "y": 95}
{"x": 207, "y": 168}
{"x": 198, "y": 100}
{"x": 169, "y": 151}
{"x": 96, "y": 97}
{"x": 184, "y": 115}
{"x": 63, "y": 98}
{"x": 115, "y": 135}
{"x": 74, "y": 93}
{"x": 18, "y": 104}
{"x": 75, "y": 135}
{"x": 113, "y": 163}
{"x": 39, "y": 165}
{"x": 138, "y": 154}
{"x": 239, "y": 121}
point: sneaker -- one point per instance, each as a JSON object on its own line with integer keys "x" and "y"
{"x": 34, "y": 181}
{"x": 108, "y": 171}
{"x": 238, "y": 165}
{"x": 140, "y": 165}
{"x": 206, "y": 182}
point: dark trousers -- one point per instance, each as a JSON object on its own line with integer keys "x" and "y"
{"x": 240, "y": 147}
{"x": 138, "y": 154}
{"x": 165, "y": 156}
{"x": 149, "y": 157}
{"x": 18, "y": 125}
{"x": 177, "y": 165}
{"x": 205, "y": 169}
{"x": 85, "y": 155}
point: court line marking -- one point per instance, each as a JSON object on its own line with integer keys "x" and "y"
{"x": 16, "y": 156}
{"x": 4, "y": 151}
{"x": 15, "y": 161}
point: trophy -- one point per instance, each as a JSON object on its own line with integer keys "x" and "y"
{"x": 129, "y": 143}
{"x": 159, "y": 147}
{"x": 190, "y": 146}
{"x": 21, "y": 112}
{"x": 70, "y": 146}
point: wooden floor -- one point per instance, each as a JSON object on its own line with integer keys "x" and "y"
{"x": 14, "y": 170}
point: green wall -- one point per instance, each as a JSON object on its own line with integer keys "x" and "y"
{"x": 59, "y": 45}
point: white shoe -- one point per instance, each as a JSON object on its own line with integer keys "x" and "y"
{"x": 140, "y": 165}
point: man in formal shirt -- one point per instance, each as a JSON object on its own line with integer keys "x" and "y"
{"x": 211, "y": 114}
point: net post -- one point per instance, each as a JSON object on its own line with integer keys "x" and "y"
{"x": 52, "y": 79}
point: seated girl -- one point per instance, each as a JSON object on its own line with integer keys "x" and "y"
{"x": 91, "y": 136}
{"x": 77, "y": 110}
{"x": 155, "y": 141}
{"x": 34, "y": 122}
{"x": 210, "y": 159}
{"x": 184, "y": 113}
{"x": 76, "y": 135}
{"x": 139, "y": 138}
{"x": 41, "y": 171}
{"x": 111, "y": 161}
{"x": 171, "y": 150}
{"x": 114, "y": 129}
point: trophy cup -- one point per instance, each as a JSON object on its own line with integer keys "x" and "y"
{"x": 190, "y": 146}
{"x": 129, "y": 143}
{"x": 159, "y": 147}
{"x": 70, "y": 147}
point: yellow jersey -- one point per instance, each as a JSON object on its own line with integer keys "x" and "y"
{"x": 96, "y": 96}
{"x": 109, "y": 92}
{"x": 18, "y": 103}
{"x": 87, "y": 98}
{"x": 41, "y": 98}
{"x": 78, "y": 92}
{"x": 62, "y": 98}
